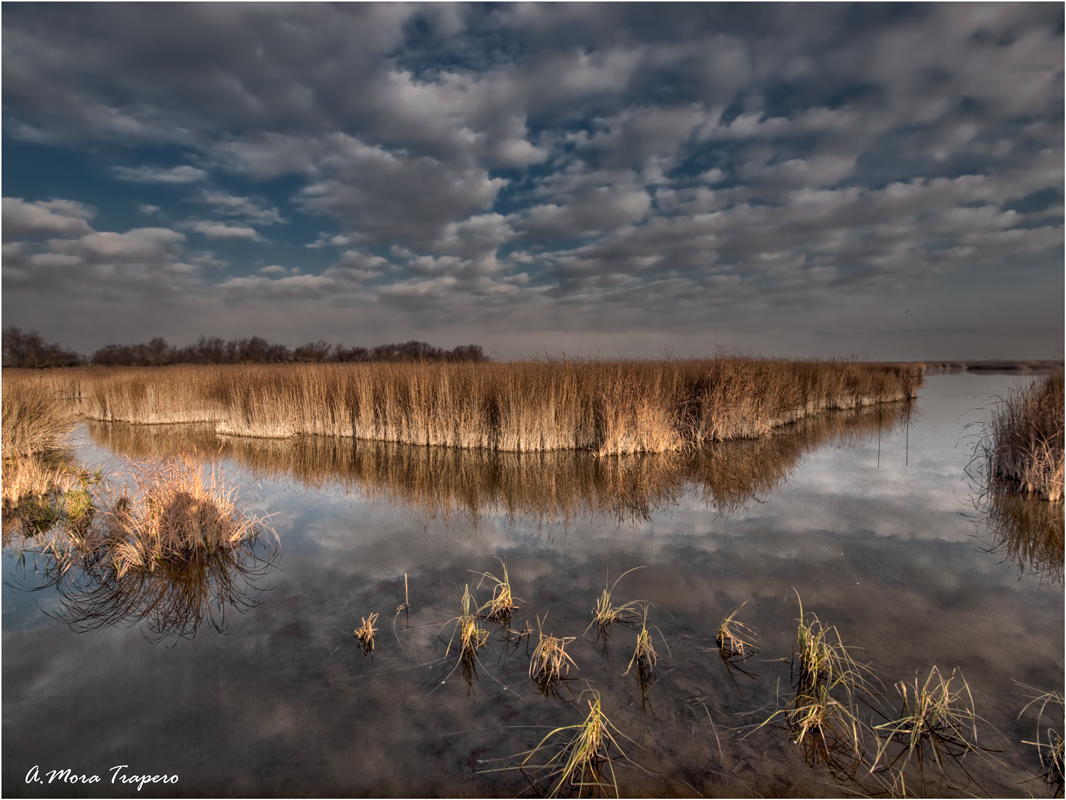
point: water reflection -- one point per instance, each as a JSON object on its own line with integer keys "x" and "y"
{"x": 545, "y": 487}
{"x": 173, "y": 599}
{"x": 1029, "y": 532}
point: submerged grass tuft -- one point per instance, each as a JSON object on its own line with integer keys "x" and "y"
{"x": 823, "y": 713}
{"x": 644, "y": 655}
{"x": 365, "y": 633}
{"x": 585, "y": 763}
{"x": 550, "y": 663}
{"x": 937, "y": 721}
{"x": 502, "y": 605}
{"x": 471, "y": 637}
{"x": 1049, "y": 742}
{"x": 606, "y": 613}
{"x": 735, "y": 639}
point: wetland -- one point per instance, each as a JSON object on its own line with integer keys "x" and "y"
{"x": 245, "y": 676}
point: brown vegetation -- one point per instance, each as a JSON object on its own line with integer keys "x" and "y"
{"x": 36, "y": 469}
{"x": 1023, "y": 450}
{"x": 609, "y": 407}
{"x": 162, "y": 541}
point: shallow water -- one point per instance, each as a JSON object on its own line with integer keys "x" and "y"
{"x": 867, "y": 517}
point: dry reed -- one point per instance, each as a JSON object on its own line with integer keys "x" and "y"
{"x": 936, "y": 721}
{"x": 501, "y": 605}
{"x": 162, "y": 541}
{"x": 1023, "y": 450}
{"x": 550, "y": 663}
{"x": 606, "y": 613}
{"x": 586, "y": 760}
{"x": 608, "y": 407}
{"x": 365, "y": 633}
{"x": 735, "y": 639}
{"x": 1049, "y": 742}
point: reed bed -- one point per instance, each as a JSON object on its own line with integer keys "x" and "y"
{"x": 41, "y": 485}
{"x": 1023, "y": 451}
{"x": 607, "y": 407}
{"x": 34, "y": 420}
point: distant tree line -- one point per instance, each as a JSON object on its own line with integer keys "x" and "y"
{"x": 28, "y": 349}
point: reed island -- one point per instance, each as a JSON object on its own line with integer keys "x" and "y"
{"x": 608, "y": 407}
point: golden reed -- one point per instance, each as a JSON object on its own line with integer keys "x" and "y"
{"x": 608, "y": 407}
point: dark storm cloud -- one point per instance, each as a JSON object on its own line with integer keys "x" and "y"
{"x": 641, "y": 162}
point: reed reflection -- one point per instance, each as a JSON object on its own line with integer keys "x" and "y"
{"x": 165, "y": 545}
{"x": 1030, "y": 533}
{"x": 555, "y": 486}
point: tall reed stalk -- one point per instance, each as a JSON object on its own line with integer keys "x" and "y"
{"x": 1023, "y": 450}
{"x": 608, "y": 407}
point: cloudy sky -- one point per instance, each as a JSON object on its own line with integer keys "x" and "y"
{"x": 802, "y": 180}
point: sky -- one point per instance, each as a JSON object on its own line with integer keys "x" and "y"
{"x": 601, "y": 180}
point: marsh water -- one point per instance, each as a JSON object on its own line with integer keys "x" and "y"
{"x": 868, "y": 517}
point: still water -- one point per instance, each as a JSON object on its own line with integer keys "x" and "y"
{"x": 867, "y": 517}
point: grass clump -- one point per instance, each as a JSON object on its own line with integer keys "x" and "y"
{"x": 174, "y": 512}
{"x": 585, "y": 762}
{"x": 550, "y": 663}
{"x": 162, "y": 541}
{"x": 644, "y": 655}
{"x": 823, "y": 714}
{"x": 1049, "y": 742}
{"x": 735, "y": 639}
{"x": 606, "y": 612}
{"x": 501, "y": 605}
{"x": 937, "y": 721}
{"x": 365, "y": 633}
{"x": 472, "y": 637}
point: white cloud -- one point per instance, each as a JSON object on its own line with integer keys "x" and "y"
{"x": 218, "y": 230}
{"x": 62, "y": 217}
{"x": 183, "y": 174}
{"x": 232, "y": 205}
